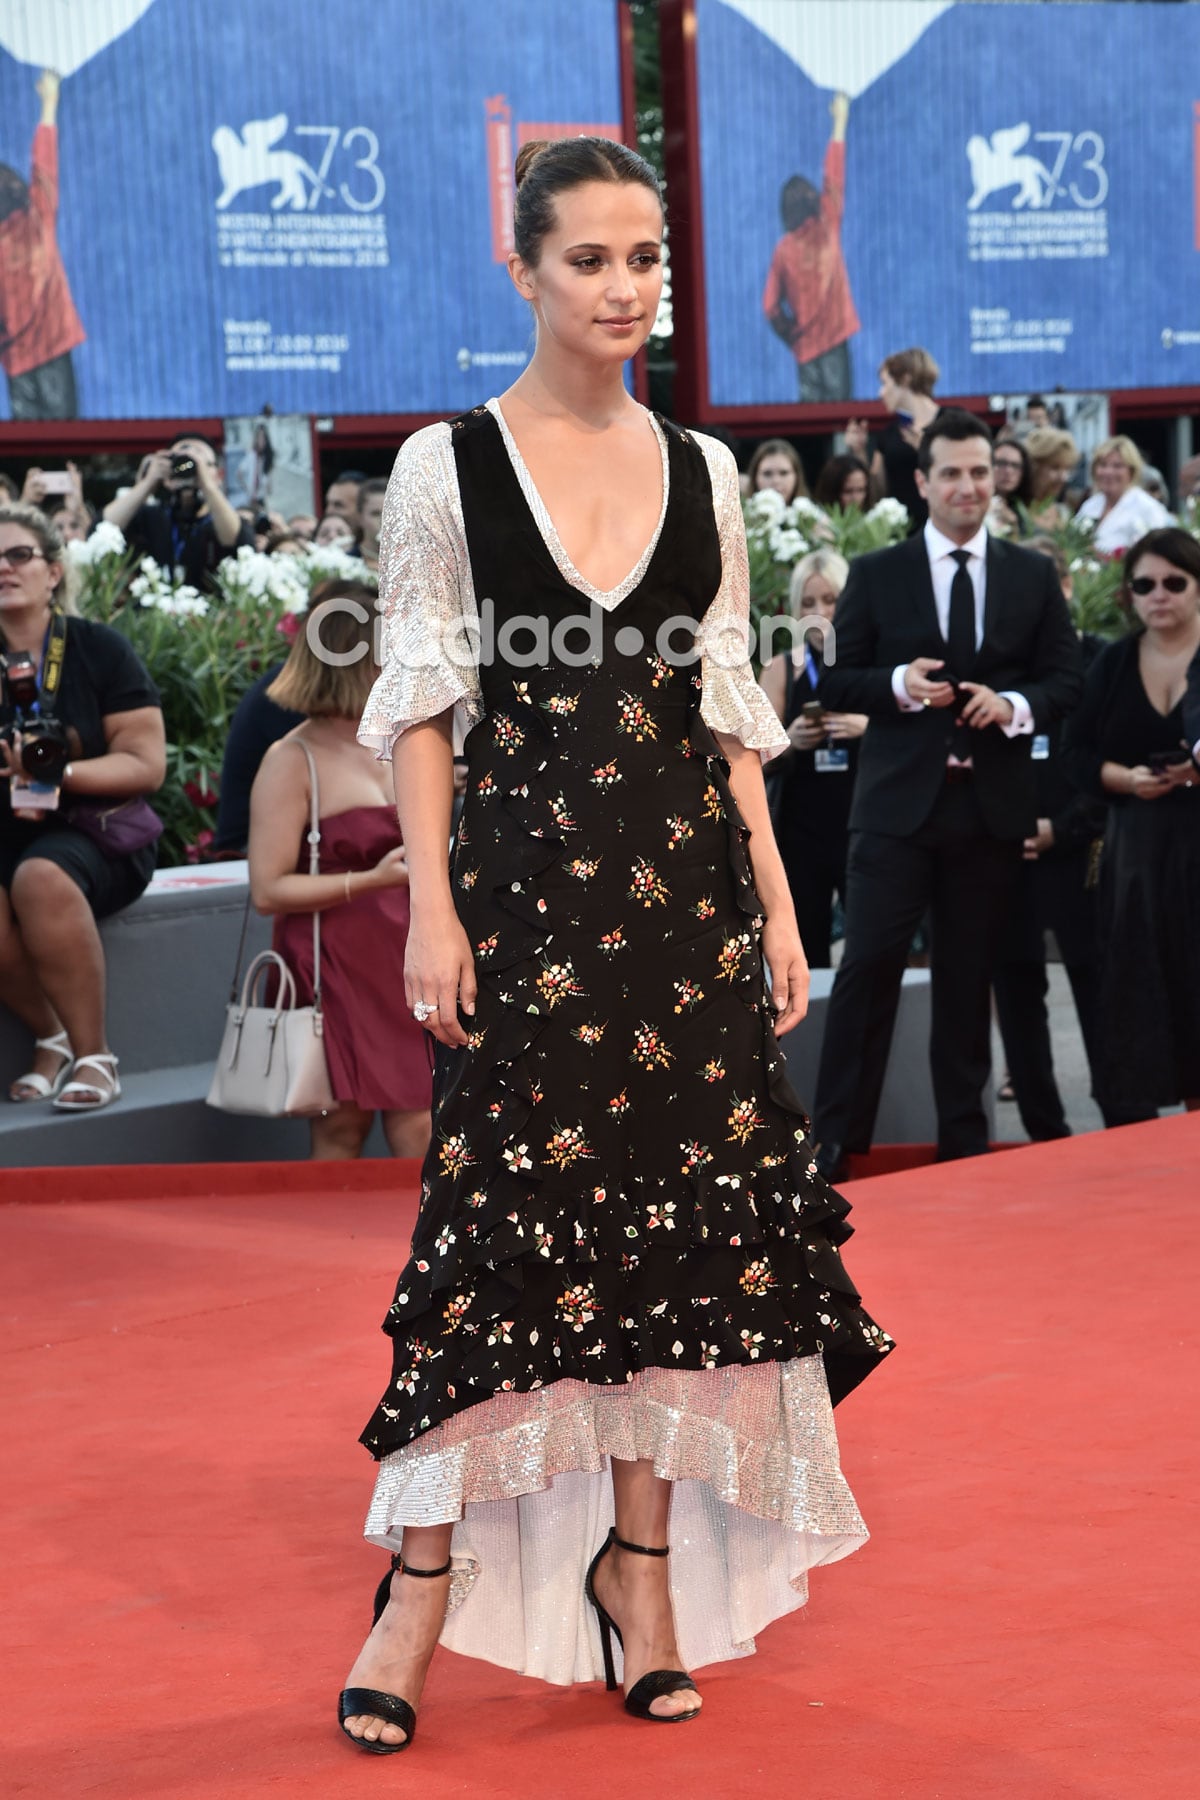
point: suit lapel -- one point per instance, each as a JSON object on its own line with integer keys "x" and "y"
{"x": 999, "y": 568}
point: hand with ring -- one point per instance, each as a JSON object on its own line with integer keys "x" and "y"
{"x": 439, "y": 972}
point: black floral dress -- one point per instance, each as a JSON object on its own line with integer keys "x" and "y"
{"x": 619, "y": 1182}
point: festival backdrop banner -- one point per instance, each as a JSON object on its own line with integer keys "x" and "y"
{"x": 289, "y": 202}
{"x": 1018, "y": 192}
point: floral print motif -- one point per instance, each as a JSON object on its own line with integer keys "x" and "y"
{"x": 744, "y": 1120}
{"x": 649, "y": 1050}
{"x": 636, "y": 719}
{"x": 567, "y": 1145}
{"x": 558, "y": 981}
{"x": 588, "y": 1034}
{"x": 645, "y": 884}
{"x": 508, "y": 734}
{"x": 604, "y": 1184}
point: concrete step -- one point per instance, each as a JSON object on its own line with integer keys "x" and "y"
{"x": 161, "y": 1117}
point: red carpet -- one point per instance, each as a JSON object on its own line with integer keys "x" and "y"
{"x": 185, "y": 1377}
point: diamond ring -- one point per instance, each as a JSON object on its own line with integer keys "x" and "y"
{"x": 423, "y": 1010}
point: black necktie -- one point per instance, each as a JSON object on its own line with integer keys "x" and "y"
{"x": 960, "y": 631}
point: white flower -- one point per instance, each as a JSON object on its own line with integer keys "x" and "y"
{"x": 786, "y": 546}
{"x": 181, "y": 603}
{"x": 766, "y": 507}
{"x": 1085, "y": 524}
{"x": 801, "y": 510}
{"x": 254, "y": 577}
{"x": 105, "y": 540}
{"x": 324, "y": 560}
{"x": 889, "y": 512}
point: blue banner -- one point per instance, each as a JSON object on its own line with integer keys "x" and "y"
{"x": 287, "y": 202}
{"x": 1014, "y": 188}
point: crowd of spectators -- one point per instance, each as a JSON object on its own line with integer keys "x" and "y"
{"x": 1116, "y": 773}
{"x": 1111, "y": 872}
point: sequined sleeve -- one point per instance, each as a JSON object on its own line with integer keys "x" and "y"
{"x": 732, "y": 700}
{"x": 426, "y": 597}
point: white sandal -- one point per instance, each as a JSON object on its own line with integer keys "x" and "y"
{"x": 106, "y": 1062}
{"x": 43, "y": 1088}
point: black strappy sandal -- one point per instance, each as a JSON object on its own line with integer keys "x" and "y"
{"x": 659, "y": 1681}
{"x": 388, "y": 1707}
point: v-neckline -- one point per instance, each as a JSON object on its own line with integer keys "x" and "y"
{"x": 1166, "y": 717}
{"x": 608, "y": 599}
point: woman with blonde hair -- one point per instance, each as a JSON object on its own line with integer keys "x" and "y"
{"x": 1119, "y": 506}
{"x": 376, "y": 1053}
{"x": 1053, "y": 456}
{"x": 815, "y": 782}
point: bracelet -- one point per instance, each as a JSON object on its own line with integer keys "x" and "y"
{"x": 347, "y": 883}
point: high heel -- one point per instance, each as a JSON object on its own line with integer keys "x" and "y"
{"x": 659, "y": 1681}
{"x": 388, "y": 1707}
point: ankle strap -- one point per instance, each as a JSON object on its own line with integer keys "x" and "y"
{"x": 403, "y": 1568}
{"x": 639, "y": 1549}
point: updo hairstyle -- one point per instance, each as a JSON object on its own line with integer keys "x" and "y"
{"x": 545, "y": 169}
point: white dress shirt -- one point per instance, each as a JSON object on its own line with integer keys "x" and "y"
{"x": 942, "y": 569}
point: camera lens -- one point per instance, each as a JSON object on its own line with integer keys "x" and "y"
{"x": 183, "y": 468}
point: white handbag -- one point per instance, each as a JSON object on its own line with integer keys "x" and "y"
{"x": 272, "y": 1060}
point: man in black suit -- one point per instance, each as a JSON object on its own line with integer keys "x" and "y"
{"x": 958, "y": 647}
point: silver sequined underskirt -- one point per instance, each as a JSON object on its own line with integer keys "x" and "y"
{"x": 759, "y": 1500}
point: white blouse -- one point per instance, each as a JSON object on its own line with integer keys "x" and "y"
{"x": 1135, "y": 513}
{"x": 429, "y": 613}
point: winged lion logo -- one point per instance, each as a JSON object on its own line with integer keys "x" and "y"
{"x": 998, "y": 164}
{"x": 252, "y": 161}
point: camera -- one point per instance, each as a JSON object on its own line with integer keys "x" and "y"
{"x": 183, "y": 466}
{"x": 45, "y": 752}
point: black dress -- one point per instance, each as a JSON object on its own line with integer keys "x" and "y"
{"x": 1148, "y": 1052}
{"x": 811, "y": 810}
{"x": 619, "y": 1196}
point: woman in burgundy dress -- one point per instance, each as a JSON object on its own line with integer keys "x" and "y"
{"x": 378, "y": 1061}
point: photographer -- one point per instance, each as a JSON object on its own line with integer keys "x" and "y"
{"x": 178, "y": 513}
{"x": 81, "y": 744}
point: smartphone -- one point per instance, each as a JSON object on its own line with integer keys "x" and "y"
{"x": 1159, "y": 761}
{"x": 57, "y": 481}
{"x": 814, "y": 712}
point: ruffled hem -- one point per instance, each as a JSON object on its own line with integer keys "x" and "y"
{"x": 379, "y": 730}
{"x": 759, "y": 1500}
{"x": 734, "y": 703}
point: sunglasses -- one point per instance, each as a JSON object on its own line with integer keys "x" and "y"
{"x": 19, "y": 555}
{"x": 1142, "y": 585}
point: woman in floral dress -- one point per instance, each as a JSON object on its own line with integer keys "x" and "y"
{"x": 624, "y": 1262}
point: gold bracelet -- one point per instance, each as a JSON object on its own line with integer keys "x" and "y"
{"x": 347, "y": 884}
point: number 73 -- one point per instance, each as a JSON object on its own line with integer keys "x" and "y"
{"x": 1093, "y": 164}
{"x": 369, "y": 162}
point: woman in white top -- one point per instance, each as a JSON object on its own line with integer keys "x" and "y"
{"x": 1120, "y": 507}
